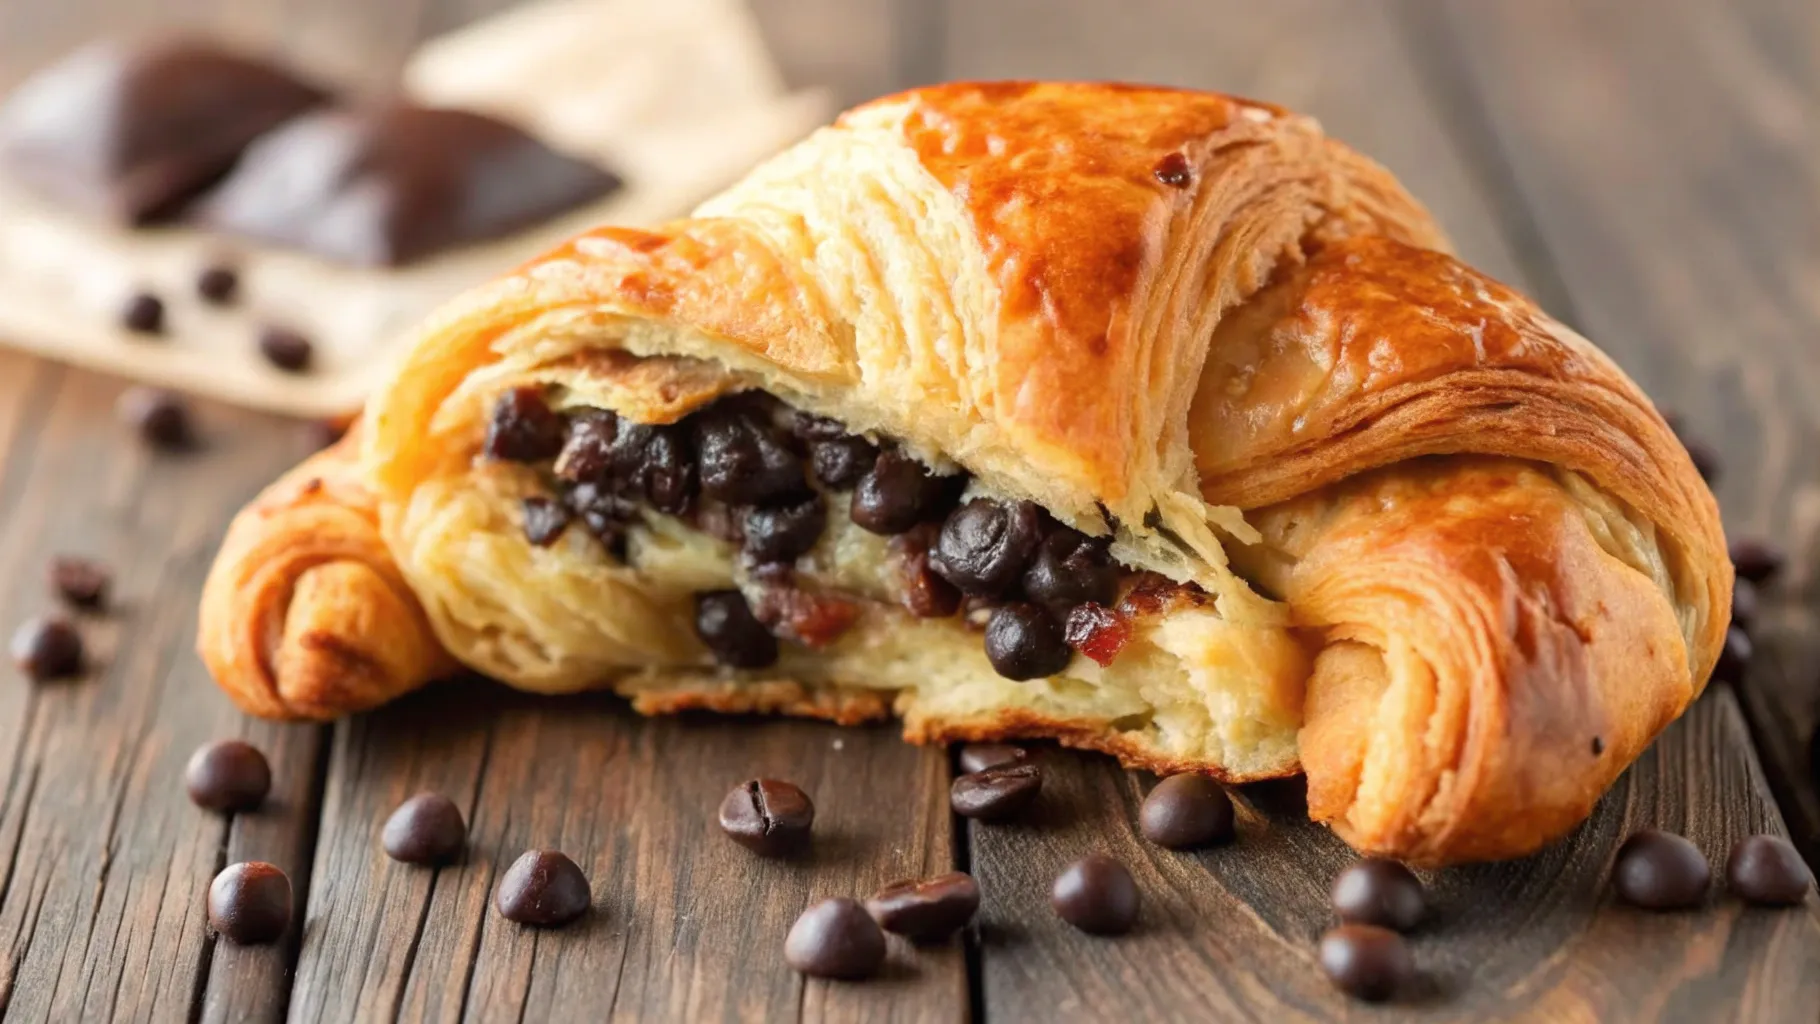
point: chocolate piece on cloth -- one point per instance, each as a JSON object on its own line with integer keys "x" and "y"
{"x": 132, "y": 132}
{"x": 389, "y": 184}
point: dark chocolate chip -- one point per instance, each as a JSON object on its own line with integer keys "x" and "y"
{"x": 977, "y": 757}
{"x": 782, "y": 533}
{"x": 80, "y": 582}
{"x": 250, "y": 903}
{"x": 524, "y": 428}
{"x": 1023, "y": 641}
{"x": 745, "y": 459}
{"x": 1071, "y": 568}
{"x": 1734, "y": 657}
{"x": 1381, "y": 892}
{"x": 1757, "y": 560}
{"x": 1745, "y": 604}
{"x": 769, "y": 817}
{"x": 286, "y": 348}
{"x": 835, "y": 939}
{"x": 985, "y": 545}
{"x": 1367, "y": 962}
{"x": 667, "y": 473}
{"x": 143, "y": 313}
{"x": 161, "y": 418}
{"x": 228, "y": 775}
{"x": 544, "y": 889}
{"x": 927, "y": 910}
{"x": 727, "y": 627}
{"x": 544, "y": 520}
{"x": 897, "y": 493}
{"x": 587, "y": 454}
{"x": 996, "y": 793}
{"x": 1767, "y": 870}
{"x": 46, "y": 648}
{"x": 840, "y": 464}
{"x": 1187, "y": 811}
{"x": 426, "y": 829}
{"x": 1659, "y": 870}
{"x": 1097, "y": 895}
{"x": 218, "y": 284}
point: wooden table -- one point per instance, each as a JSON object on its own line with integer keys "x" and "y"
{"x": 1648, "y": 171}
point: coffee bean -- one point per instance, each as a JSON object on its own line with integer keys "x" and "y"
{"x": 543, "y": 889}
{"x": 1659, "y": 870}
{"x": 1096, "y": 894}
{"x": 782, "y": 533}
{"x": 80, "y": 582}
{"x": 544, "y": 520}
{"x": 161, "y": 418}
{"x": 768, "y": 817}
{"x": 1367, "y": 962}
{"x": 926, "y": 910}
{"x": 523, "y": 427}
{"x": 730, "y": 631}
{"x": 1071, "y": 568}
{"x": 46, "y": 648}
{"x": 426, "y": 829}
{"x": 1757, "y": 560}
{"x": 1187, "y": 811}
{"x": 218, "y": 284}
{"x": 839, "y": 465}
{"x": 228, "y": 775}
{"x": 1379, "y": 892}
{"x": 143, "y": 313}
{"x": 835, "y": 939}
{"x": 977, "y": 757}
{"x": 1734, "y": 657}
{"x": 1745, "y": 602}
{"x": 996, "y": 793}
{"x": 250, "y": 903}
{"x": 985, "y": 544}
{"x": 1023, "y": 641}
{"x": 897, "y": 493}
{"x": 286, "y": 348}
{"x": 1767, "y": 870}
{"x": 745, "y": 459}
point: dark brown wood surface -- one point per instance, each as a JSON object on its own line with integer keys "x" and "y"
{"x": 1650, "y": 178}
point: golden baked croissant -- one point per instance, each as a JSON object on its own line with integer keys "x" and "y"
{"x": 1153, "y": 421}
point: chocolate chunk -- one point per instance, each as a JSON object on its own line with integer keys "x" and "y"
{"x": 1097, "y": 895}
{"x": 745, "y": 458}
{"x": 218, "y": 284}
{"x": 667, "y": 472}
{"x": 927, "y": 910}
{"x": 143, "y": 313}
{"x": 1734, "y": 657}
{"x": 977, "y": 757}
{"x": 1745, "y": 603}
{"x": 543, "y": 889}
{"x": 161, "y": 418}
{"x": 1767, "y": 870}
{"x": 1187, "y": 811}
{"x": 1071, "y": 568}
{"x": 228, "y": 775}
{"x": 1380, "y": 892}
{"x": 996, "y": 793}
{"x": 1659, "y": 870}
{"x": 840, "y": 464}
{"x": 46, "y": 648}
{"x": 782, "y": 533}
{"x": 544, "y": 520}
{"x": 730, "y": 631}
{"x": 132, "y": 132}
{"x": 1757, "y": 560}
{"x": 523, "y": 427}
{"x": 391, "y": 184}
{"x": 897, "y": 493}
{"x": 922, "y": 591}
{"x": 286, "y": 348}
{"x": 250, "y": 903}
{"x": 1023, "y": 641}
{"x": 768, "y": 817}
{"x": 1367, "y": 962}
{"x": 588, "y": 454}
{"x": 985, "y": 544}
{"x": 80, "y": 582}
{"x": 835, "y": 939}
{"x": 426, "y": 829}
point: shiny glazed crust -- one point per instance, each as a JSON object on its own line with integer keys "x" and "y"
{"x": 1188, "y": 320}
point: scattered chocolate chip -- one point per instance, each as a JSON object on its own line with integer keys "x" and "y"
{"x": 80, "y": 582}
{"x": 544, "y": 889}
{"x": 1757, "y": 560}
{"x": 286, "y": 348}
{"x": 1187, "y": 811}
{"x": 730, "y": 631}
{"x": 1379, "y": 892}
{"x": 977, "y": 757}
{"x": 1767, "y": 870}
{"x": 782, "y": 533}
{"x": 745, "y": 459}
{"x": 426, "y": 829}
{"x": 1659, "y": 870}
{"x": 768, "y": 817}
{"x": 46, "y": 648}
{"x": 143, "y": 313}
{"x": 606, "y": 515}
{"x": 996, "y": 793}
{"x": 897, "y": 493}
{"x": 1071, "y": 568}
{"x": 835, "y": 939}
{"x": 544, "y": 520}
{"x": 1173, "y": 171}
{"x": 523, "y": 427}
{"x": 1745, "y": 603}
{"x": 985, "y": 544}
{"x": 1023, "y": 641}
{"x": 927, "y": 910}
{"x": 1367, "y": 962}
{"x": 218, "y": 284}
{"x": 1734, "y": 657}
{"x": 250, "y": 903}
{"x": 1096, "y": 894}
{"x": 228, "y": 775}
{"x": 161, "y": 418}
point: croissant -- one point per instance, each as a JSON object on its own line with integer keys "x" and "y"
{"x": 1151, "y": 421}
